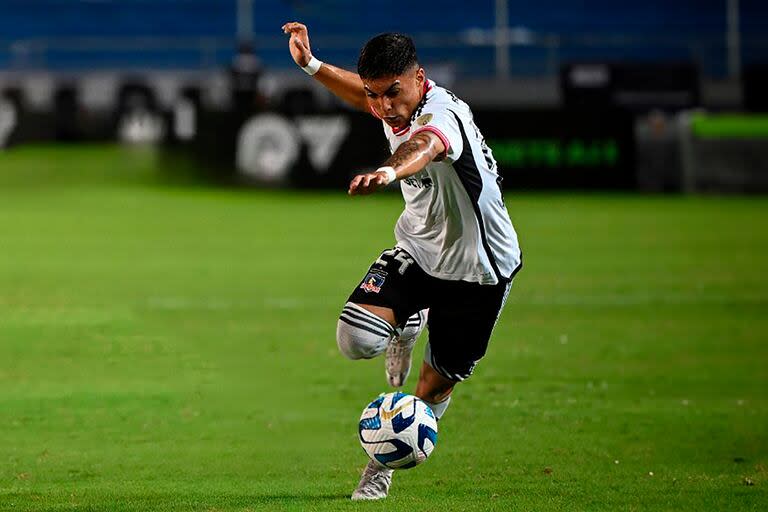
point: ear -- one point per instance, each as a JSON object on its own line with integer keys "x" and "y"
{"x": 421, "y": 77}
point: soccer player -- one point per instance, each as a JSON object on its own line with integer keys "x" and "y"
{"x": 456, "y": 251}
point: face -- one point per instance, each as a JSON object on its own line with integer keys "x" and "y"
{"x": 395, "y": 98}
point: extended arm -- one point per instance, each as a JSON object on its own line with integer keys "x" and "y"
{"x": 409, "y": 158}
{"x": 344, "y": 84}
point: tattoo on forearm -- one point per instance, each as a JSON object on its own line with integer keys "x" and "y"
{"x": 411, "y": 150}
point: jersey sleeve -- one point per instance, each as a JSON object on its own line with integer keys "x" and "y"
{"x": 442, "y": 122}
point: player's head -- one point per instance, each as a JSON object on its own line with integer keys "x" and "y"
{"x": 393, "y": 79}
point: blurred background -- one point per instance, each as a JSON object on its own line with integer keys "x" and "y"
{"x": 652, "y": 96}
{"x": 176, "y": 244}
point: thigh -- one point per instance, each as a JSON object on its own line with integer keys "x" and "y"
{"x": 461, "y": 321}
{"x": 393, "y": 281}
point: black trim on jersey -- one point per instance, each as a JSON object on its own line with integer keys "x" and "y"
{"x": 420, "y": 107}
{"x": 469, "y": 175}
{"x": 517, "y": 268}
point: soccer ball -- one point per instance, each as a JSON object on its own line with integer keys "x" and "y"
{"x": 398, "y": 430}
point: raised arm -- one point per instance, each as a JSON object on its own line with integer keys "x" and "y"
{"x": 344, "y": 84}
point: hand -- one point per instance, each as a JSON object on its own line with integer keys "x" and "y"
{"x": 364, "y": 184}
{"x": 299, "y": 43}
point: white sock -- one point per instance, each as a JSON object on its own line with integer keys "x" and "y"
{"x": 360, "y": 334}
{"x": 413, "y": 326}
{"x": 440, "y": 407}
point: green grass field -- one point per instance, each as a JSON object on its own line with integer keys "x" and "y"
{"x": 168, "y": 347}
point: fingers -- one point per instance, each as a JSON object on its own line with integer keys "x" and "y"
{"x": 299, "y": 43}
{"x": 294, "y": 26}
{"x": 354, "y": 184}
{"x": 364, "y": 184}
{"x": 358, "y": 185}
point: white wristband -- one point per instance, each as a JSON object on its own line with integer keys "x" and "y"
{"x": 313, "y": 66}
{"x": 390, "y": 172}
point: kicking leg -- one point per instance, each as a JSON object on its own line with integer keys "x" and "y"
{"x": 390, "y": 293}
{"x": 363, "y": 331}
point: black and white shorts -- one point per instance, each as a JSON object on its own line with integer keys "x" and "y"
{"x": 462, "y": 315}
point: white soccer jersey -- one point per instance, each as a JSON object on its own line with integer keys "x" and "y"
{"x": 455, "y": 223}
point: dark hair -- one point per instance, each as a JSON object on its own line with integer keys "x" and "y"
{"x": 387, "y": 55}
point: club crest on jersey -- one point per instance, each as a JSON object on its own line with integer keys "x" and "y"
{"x": 373, "y": 282}
{"x": 423, "y": 120}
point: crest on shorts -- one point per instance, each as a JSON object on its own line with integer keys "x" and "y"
{"x": 423, "y": 120}
{"x": 373, "y": 282}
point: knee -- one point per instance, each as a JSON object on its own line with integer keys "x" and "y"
{"x": 361, "y": 334}
{"x": 356, "y": 343}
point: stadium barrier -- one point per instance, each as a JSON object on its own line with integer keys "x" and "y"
{"x": 301, "y": 143}
{"x": 634, "y": 86}
{"x": 754, "y": 82}
{"x": 657, "y": 149}
{"x": 724, "y": 153}
{"x": 561, "y": 148}
{"x": 279, "y": 149}
{"x": 304, "y": 143}
{"x": 534, "y": 148}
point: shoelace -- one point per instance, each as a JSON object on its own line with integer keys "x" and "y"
{"x": 397, "y": 352}
{"x": 378, "y": 480}
{"x": 382, "y": 476}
